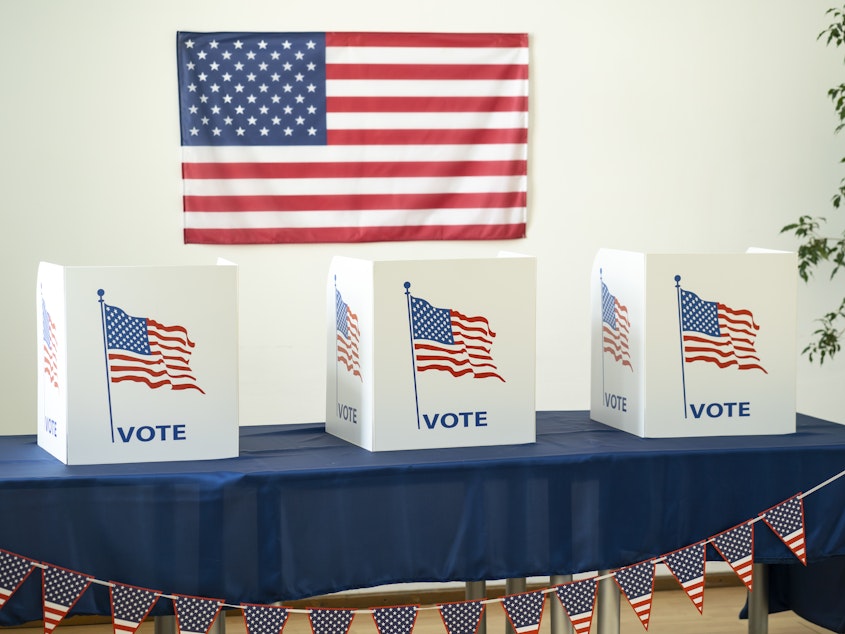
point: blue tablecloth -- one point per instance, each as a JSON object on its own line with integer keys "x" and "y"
{"x": 301, "y": 513}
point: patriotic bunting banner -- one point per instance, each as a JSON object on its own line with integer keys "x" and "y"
{"x": 196, "y": 615}
{"x": 264, "y": 619}
{"x": 13, "y": 571}
{"x": 637, "y": 584}
{"x": 579, "y": 600}
{"x": 736, "y": 546}
{"x": 330, "y": 620}
{"x": 130, "y": 606}
{"x": 461, "y": 618}
{"x": 525, "y": 611}
{"x": 62, "y": 589}
{"x": 395, "y": 620}
{"x": 353, "y": 137}
{"x": 787, "y": 521}
{"x": 687, "y": 566}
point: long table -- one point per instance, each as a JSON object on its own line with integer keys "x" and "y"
{"x": 301, "y": 513}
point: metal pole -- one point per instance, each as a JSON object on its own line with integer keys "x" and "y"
{"x": 475, "y": 591}
{"x": 758, "y": 601}
{"x": 514, "y": 586}
{"x": 560, "y": 622}
{"x": 608, "y": 605}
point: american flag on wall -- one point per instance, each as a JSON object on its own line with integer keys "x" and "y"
{"x": 447, "y": 340}
{"x": 353, "y": 137}
{"x": 716, "y": 333}
{"x": 146, "y": 351}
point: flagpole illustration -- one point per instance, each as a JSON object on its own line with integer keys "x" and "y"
{"x": 413, "y": 355}
{"x": 681, "y": 338}
{"x": 101, "y": 292}
{"x": 336, "y": 350}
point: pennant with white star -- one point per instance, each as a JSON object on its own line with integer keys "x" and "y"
{"x": 525, "y": 611}
{"x": 462, "y": 617}
{"x": 637, "y": 584}
{"x": 787, "y": 521}
{"x": 736, "y": 546}
{"x": 395, "y": 620}
{"x": 62, "y": 589}
{"x": 579, "y": 600}
{"x": 330, "y": 620}
{"x": 196, "y": 615}
{"x": 264, "y": 619}
{"x": 687, "y": 566}
{"x": 13, "y": 572}
{"x": 130, "y": 606}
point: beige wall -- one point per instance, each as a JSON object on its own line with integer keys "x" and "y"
{"x": 657, "y": 125}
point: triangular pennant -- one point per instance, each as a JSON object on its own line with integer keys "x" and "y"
{"x": 736, "y": 546}
{"x": 330, "y": 620}
{"x": 579, "y": 600}
{"x": 525, "y": 611}
{"x": 62, "y": 589}
{"x": 130, "y": 606}
{"x": 195, "y": 615}
{"x": 13, "y": 572}
{"x": 787, "y": 521}
{"x": 637, "y": 584}
{"x": 395, "y": 620}
{"x": 462, "y": 617}
{"x": 687, "y": 566}
{"x": 264, "y": 619}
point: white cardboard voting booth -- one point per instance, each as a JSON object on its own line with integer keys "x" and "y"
{"x": 431, "y": 353}
{"x": 694, "y": 344}
{"x": 137, "y": 364}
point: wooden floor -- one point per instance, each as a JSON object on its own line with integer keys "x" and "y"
{"x": 672, "y": 613}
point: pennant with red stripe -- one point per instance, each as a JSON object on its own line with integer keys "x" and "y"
{"x": 637, "y": 584}
{"x": 196, "y": 615}
{"x": 462, "y": 617}
{"x": 687, "y": 566}
{"x": 525, "y": 611}
{"x": 62, "y": 589}
{"x": 130, "y": 606}
{"x": 736, "y": 546}
{"x": 264, "y": 619}
{"x": 787, "y": 521}
{"x": 13, "y": 572}
{"x": 579, "y": 601}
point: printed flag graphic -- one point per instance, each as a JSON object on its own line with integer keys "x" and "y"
{"x": 195, "y": 615}
{"x": 353, "y": 137}
{"x": 330, "y": 620}
{"x": 579, "y": 600}
{"x": 143, "y": 350}
{"x": 51, "y": 366}
{"x": 637, "y": 584}
{"x": 62, "y": 589}
{"x": 130, "y": 606}
{"x": 450, "y": 341}
{"x": 264, "y": 619}
{"x": 395, "y": 620}
{"x": 615, "y": 327}
{"x": 13, "y": 572}
{"x": 787, "y": 521}
{"x": 715, "y": 333}
{"x": 348, "y": 336}
{"x": 687, "y": 566}
{"x": 462, "y": 617}
{"x": 525, "y": 611}
{"x": 736, "y": 546}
